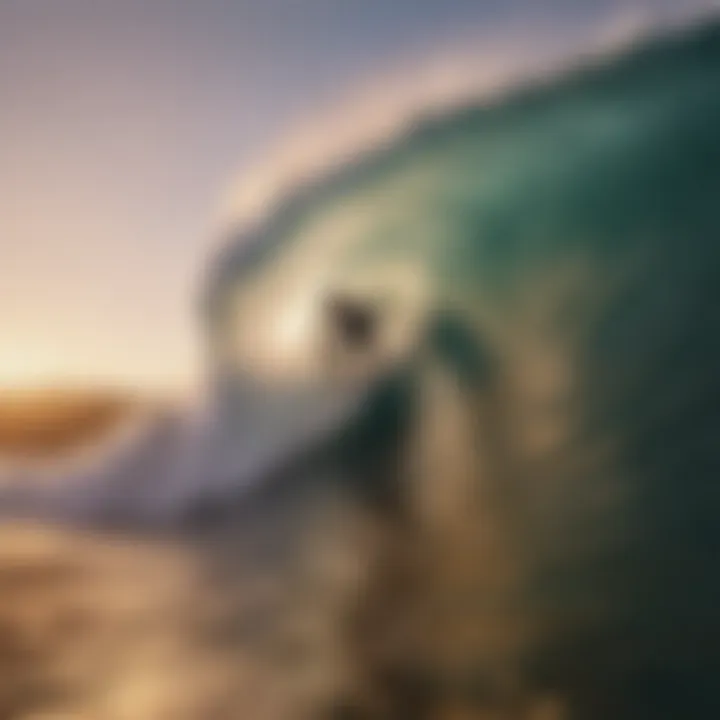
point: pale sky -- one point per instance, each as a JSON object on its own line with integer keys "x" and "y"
{"x": 121, "y": 121}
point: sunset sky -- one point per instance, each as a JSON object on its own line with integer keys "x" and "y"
{"x": 123, "y": 120}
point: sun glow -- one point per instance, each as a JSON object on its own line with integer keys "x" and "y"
{"x": 27, "y": 369}
{"x": 20, "y": 367}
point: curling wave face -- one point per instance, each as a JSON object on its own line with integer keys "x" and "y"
{"x": 459, "y": 456}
